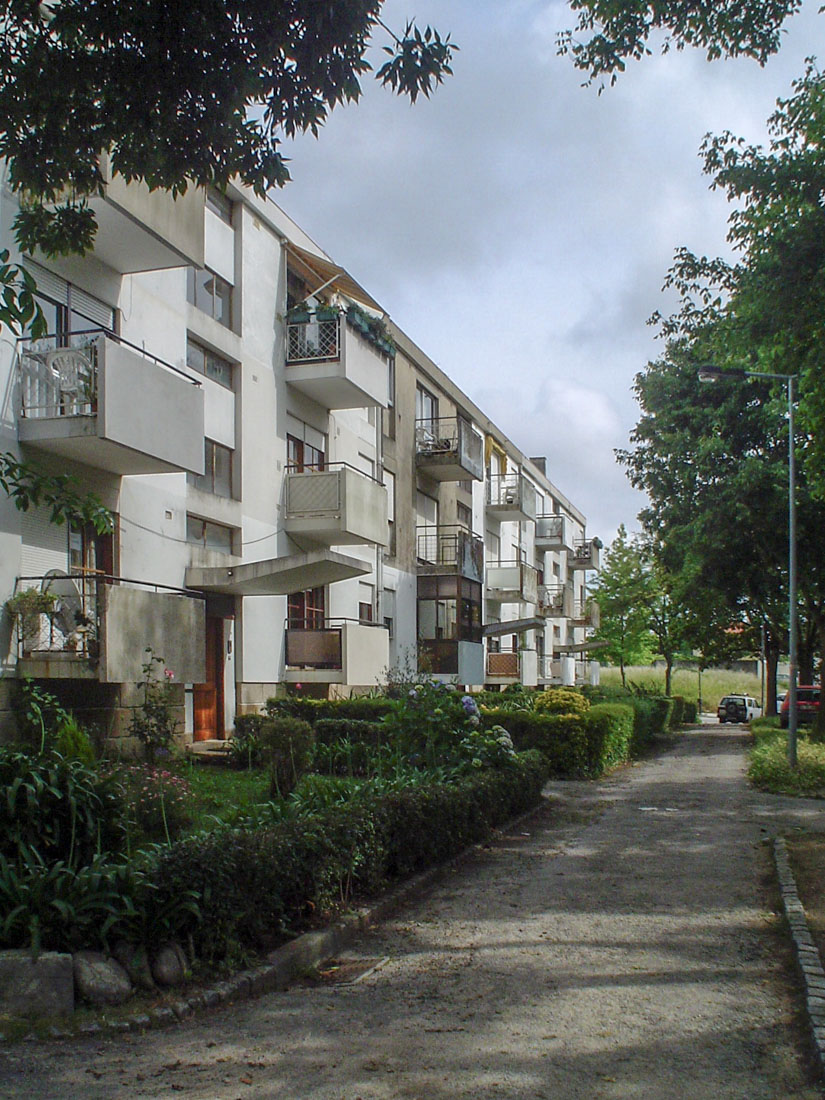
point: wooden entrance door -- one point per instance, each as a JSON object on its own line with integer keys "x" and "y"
{"x": 208, "y": 696}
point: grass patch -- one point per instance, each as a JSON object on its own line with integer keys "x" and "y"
{"x": 769, "y": 768}
{"x": 222, "y": 794}
{"x": 716, "y": 682}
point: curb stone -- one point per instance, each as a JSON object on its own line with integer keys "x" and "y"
{"x": 303, "y": 953}
{"x": 807, "y": 955}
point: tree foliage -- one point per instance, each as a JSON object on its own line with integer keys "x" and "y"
{"x": 622, "y": 590}
{"x": 30, "y": 487}
{"x": 609, "y": 33}
{"x": 177, "y": 94}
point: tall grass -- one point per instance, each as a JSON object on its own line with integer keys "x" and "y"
{"x": 769, "y": 768}
{"x": 716, "y": 682}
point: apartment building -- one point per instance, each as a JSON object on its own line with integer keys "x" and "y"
{"x": 301, "y": 498}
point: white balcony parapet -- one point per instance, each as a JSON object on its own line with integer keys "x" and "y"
{"x": 448, "y": 449}
{"x": 336, "y": 651}
{"x": 553, "y": 532}
{"x": 335, "y": 505}
{"x": 555, "y": 601}
{"x": 334, "y": 363}
{"x": 99, "y": 400}
{"x": 511, "y": 497}
{"x": 584, "y": 554}
{"x": 586, "y": 614}
{"x": 511, "y": 582}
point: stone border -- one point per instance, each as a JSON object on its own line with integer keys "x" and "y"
{"x": 292, "y": 959}
{"x": 807, "y": 954}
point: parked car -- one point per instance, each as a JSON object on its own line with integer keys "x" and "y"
{"x": 738, "y": 708}
{"x": 807, "y": 705}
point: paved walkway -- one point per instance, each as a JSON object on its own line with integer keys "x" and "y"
{"x": 620, "y": 945}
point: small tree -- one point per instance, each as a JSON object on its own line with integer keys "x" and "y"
{"x": 623, "y": 590}
{"x": 153, "y": 723}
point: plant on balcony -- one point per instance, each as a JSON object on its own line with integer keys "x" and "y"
{"x": 371, "y": 328}
{"x": 26, "y": 607}
{"x": 298, "y": 314}
{"x": 326, "y": 312}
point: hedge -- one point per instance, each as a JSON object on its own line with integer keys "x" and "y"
{"x": 255, "y": 885}
{"x": 574, "y": 746}
{"x": 367, "y": 708}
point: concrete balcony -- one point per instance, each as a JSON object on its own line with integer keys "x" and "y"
{"x": 553, "y": 532}
{"x": 554, "y": 601}
{"x": 451, "y": 660}
{"x": 338, "y": 651}
{"x": 511, "y": 582}
{"x": 512, "y": 667}
{"x": 143, "y": 230}
{"x": 511, "y": 497}
{"x": 98, "y": 628}
{"x": 109, "y": 405}
{"x": 335, "y": 364}
{"x": 548, "y": 671}
{"x": 447, "y": 449}
{"x": 449, "y": 549}
{"x": 586, "y": 614}
{"x": 584, "y": 554}
{"x": 335, "y": 506}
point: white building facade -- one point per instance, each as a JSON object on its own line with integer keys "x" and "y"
{"x": 301, "y": 499}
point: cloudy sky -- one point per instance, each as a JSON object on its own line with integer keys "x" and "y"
{"x": 518, "y": 226}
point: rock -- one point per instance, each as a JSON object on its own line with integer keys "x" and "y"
{"x": 100, "y": 980}
{"x": 169, "y": 965}
{"x": 135, "y": 961}
{"x": 36, "y": 987}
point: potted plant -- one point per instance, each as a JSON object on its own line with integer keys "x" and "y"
{"x": 326, "y": 312}
{"x": 298, "y": 314}
{"x": 26, "y": 606}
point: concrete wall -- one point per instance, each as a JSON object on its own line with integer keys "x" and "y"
{"x": 172, "y": 626}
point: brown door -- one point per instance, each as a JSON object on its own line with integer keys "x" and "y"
{"x": 208, "y": 696}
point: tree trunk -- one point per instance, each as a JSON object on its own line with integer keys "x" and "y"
{"x": 771, "y": 663}
{"x": 668, "y": 674}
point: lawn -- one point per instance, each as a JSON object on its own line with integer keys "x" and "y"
{"x": 221, "y": 794}
{"x": 769, "y": 768}
{"x": 716, "y": 682}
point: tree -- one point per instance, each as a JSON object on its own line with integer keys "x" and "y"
{"x": 619, "y": 32}
{"x": 178, "y": 94}
{"x": 621, "y": 590}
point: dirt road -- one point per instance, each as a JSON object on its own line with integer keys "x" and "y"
{"x": 619, "y": 945}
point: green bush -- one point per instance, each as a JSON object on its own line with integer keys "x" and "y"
{"x": 245, "y": 743}
{"x": 286, "y": 749}
{"x": 561, "y": 700}
{"x": 769, "y": 768}
{"x": 609, "y": 732}
{"x": 330, "y": 730}
{"x": 62, "y": 809}
{"x": 560, "y": 738}
{"x": 368, "y": 708}
{"x": 73, "y": 742}
{"x": 278, "y": 879}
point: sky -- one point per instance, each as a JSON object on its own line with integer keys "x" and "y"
{"x": 518, "y": 226}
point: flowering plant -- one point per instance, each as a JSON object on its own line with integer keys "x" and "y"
{"x": 157, "y": 800}
{"x": 491, "y": 748}
{"x": 427, "y": 725}
{"x": 153, "y": 723}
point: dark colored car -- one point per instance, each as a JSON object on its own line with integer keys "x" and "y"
{"x": 807, "y": 706}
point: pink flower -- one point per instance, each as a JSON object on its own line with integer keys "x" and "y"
{"x": 169, "y": 674}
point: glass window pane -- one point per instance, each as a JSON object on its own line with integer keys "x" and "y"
{"x": 223, "y": 471}
{"x": 218, "y": 537}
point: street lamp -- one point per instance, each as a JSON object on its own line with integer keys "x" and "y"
{"x": 710, "y": 373}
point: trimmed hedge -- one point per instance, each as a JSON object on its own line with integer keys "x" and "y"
{"x": 255, "y": 885}
{"x": 575, "y": 746}
{"x": 357, "y": 730}
{"x": 366, "y": 708}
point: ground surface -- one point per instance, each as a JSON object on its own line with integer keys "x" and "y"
{"x": 621, "y": 944}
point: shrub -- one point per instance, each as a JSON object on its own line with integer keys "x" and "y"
{"x": 330, "y": 730}
{"x": 609, "y": 732}
{"x": 73, "y": 742}
{"x": 368, "y": 708}
{"x": 62, "y": 809}
{"x": 158, "y": 801}
{"x": 152, "y": 722}
{"x": 560, "y": 738}
{"x": 38, "y": 715}
{"x": 245, "y": 743}
{"x": 286, "y": 748}
{"x": 561, "y": 700}
{"x": 769, "y": 768}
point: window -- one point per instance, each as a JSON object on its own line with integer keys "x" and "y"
{"x": 307, "y": 610}
{"x": 67, "y": 308}
{"x": 389, "y": 481}
{"x": 426, "y": 406}
{"x": 210, "y": 293}
{"x": 211, "y": 536}
{"x": 217, "y": 475}
{"x": 219, "y": 204}
{"x": 366, "y": 602}
{"x": 449, "y": 609}
{"x": 208, "y": 363}
{"x": 301, "y": 456}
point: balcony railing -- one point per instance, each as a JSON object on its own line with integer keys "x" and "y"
{"x": 549, "y": 670}
{"x": 350, "y": 651}
{"x": 511, "y": 582}
{"x": 448, "y": 449}
{"x": 584, "y": 554}
{"x": 94, "y": 397}
{"x": 505, "y": 664}
{"x": 586, "y": 614}
{"x": 335, "y": 363}
{"x": 336, "y": 505}
{"x": 555, "y": 601}
{"x": 90, "y": 616}
{"x": 511, "y": 497}
{"x": 553, "y": 533}
{"x": 450, "y": 549}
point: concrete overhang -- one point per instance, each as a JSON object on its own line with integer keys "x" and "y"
{"x": 514, "y": 626}
{"x": 578, "y": 647}
{"x": 277, "y": 576}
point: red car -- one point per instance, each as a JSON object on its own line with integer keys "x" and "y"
{"x": 807, "y": 706}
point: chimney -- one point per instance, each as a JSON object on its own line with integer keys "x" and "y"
{"x": 540, "y": 463}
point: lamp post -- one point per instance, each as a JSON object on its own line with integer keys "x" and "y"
{"x": 710, "y": 373}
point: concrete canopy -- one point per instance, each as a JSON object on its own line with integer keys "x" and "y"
{"x": 513, "y": 626}
{"x": 277, "y": 576}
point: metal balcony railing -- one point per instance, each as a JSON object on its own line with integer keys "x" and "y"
{"x": 451, "y": 548}
{"x": 58, "y": 373}
{"x": 504, "y": 663}
{"x": 554, "y": 600}
{"x": 315, "y": 338}
{"x": 446, "y": 440}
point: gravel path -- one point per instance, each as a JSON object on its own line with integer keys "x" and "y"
{"x": 620, "y": 944}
